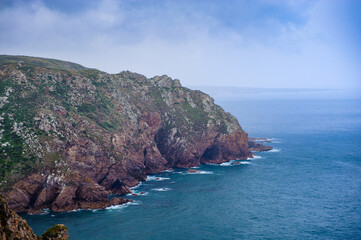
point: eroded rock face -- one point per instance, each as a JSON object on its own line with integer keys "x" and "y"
{"x": 12, "y": 227}
{"x": 77, "y": 135}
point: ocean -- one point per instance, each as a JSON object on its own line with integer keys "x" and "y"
{"x": 308, "y": 187}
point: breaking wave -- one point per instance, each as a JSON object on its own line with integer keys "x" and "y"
{"x": 161, "y": 189}
{"x": 135, "y": 187}
{"x": 154, "y": 178}
{"x": 274, "y": 150}
{"x": 200, "y": 172}
{"x": 254, "y": 157}
{"x": 234, "y": 162}
{"x": 113, "y": 207}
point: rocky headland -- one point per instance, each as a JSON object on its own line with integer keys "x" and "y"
{"x": 71, "y": 136}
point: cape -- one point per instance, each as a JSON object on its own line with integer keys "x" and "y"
{"x": 70, "y": 136}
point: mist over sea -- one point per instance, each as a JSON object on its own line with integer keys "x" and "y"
{"x": 308, "y": 187}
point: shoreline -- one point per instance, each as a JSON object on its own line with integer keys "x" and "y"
{"x": 151, "y": 177}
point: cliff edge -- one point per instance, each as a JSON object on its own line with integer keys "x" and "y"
{"x": 71, "y": 136}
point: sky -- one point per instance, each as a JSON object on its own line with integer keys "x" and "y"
{"x": 257, "y": 44}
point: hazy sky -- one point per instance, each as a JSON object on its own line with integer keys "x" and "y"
{"x": 264, "y": 43}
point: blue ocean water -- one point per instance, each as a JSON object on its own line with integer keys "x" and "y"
{"x": 308, "y": 188}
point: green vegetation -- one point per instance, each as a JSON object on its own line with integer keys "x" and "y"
{"x": 54, "y": 231}
{"x": 156, "y": 94}
{"x": 223, "y": 128}
{"x": 41, "y": 62}
{"x": 15, "y": 156}
{"x": 198, "y": 117}
{"x": 61, "y": 89}
{"x": 59, "y": 99}
{"x": 87, "y": 108}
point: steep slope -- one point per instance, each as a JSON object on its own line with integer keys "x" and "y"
{"x": 13, "y": 227}
{"x": 70, "y": 136}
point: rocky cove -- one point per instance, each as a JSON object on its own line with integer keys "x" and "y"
{"x": 72, "y": 136}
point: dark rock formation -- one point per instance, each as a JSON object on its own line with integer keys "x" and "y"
{"x": 12, "y": 227}
{"x": 70, "y": 136}
{"x": 258, "y": 147}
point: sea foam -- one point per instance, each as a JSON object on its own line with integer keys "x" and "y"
{"x": 227, "y": 164}
{"x": 254, "y": 157}
{"x": 244, "y": 162}
{"x": 137, "y": 186}
{"x": 274, "y": 150}
{"x": 233, "y": 163}
{"x": 154, "y": 178}
{"x": 114, "y": 207}
{"x": 161, "y": 189}
{"x": 199, "y": 172}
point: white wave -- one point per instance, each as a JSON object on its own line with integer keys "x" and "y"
{"x": 264, "y": 139}
{"x": 76, "y": 210}
{"x": 212, "y": 164}
{"x": 200, "y": 172}
{"x": 244, "y": 162}
{"x": 161, "y": 189}
{"x": 45, "y": 211}
{"x": 274, "y": 150}
{"x": 254, "y": 157}
{"x": 121, "y": 206}
{"x": 137, "y": 186}
{"x": 234, "y": 162}
{"x": 150, "y": 178}
{"x": 227, "y": 164}
{"x": 154, "y": 178}
{"x": 52, "y": 215}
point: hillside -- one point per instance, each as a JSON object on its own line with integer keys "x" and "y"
{"x": 70, "y": 136}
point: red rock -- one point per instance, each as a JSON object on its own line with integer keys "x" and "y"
{"x": 118, "y": 201}
{"x": 134, "y": 194}
{"x": 103, "y": 159}
{"x": 35, "y": 212}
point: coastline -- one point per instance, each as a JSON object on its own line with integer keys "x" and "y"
{"x": 122, "y": 200}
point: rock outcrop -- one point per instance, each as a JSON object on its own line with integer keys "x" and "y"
{"x": 71, "y": 136}
{"x": 257, "y": 147}
{"x": 13, "y": 227}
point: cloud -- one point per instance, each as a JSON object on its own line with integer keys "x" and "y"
{"x": 253, "y": 43}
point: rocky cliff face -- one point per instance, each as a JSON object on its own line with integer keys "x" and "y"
{"x": 70, "y": 136}
{"x": 13, "y": 227}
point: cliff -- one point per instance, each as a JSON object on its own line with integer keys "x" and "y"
{"x": 13, "y": 227}
{"x": 71, "y": 136}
